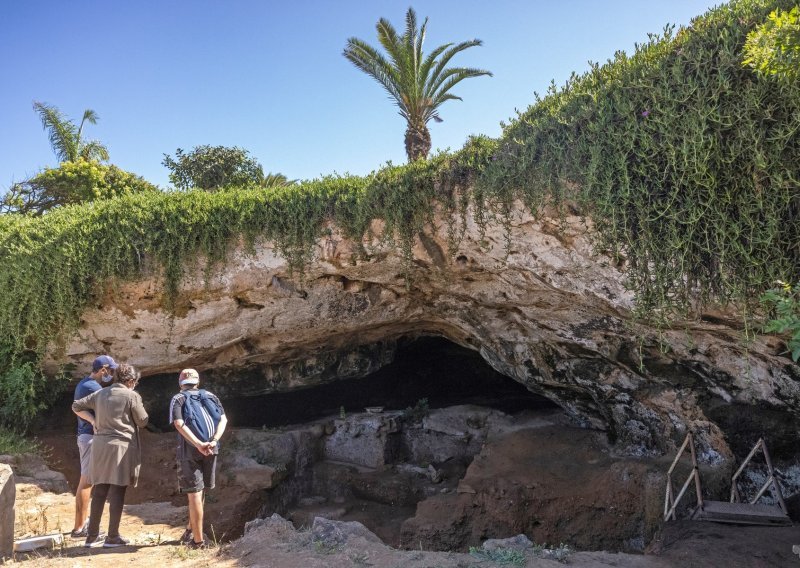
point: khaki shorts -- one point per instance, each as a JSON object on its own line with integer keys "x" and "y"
{"x": 85, "y": 449}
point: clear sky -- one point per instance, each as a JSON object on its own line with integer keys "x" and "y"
{"x": 269, "y": 76}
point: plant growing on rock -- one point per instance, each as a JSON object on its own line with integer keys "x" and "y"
{"x": 418, "y": 84}
{"x": 784, "y": 304}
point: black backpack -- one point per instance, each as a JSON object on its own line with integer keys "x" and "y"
{"x": 202, "y": 414}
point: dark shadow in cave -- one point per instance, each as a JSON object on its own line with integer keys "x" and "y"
{"x": 433, "y": 368}
{"x": 427, "y": 367}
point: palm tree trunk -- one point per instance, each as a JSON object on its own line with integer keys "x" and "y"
{"x": 418, "y": 142}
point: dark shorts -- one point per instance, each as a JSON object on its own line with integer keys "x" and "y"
{"x": 196, "y": 474}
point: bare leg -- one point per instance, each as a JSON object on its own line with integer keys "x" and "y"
{"x": 196, "y": 515}
{"x": 203, "y": 503}
{"x": 82, "y": 496}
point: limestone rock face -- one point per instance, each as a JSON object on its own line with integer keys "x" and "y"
{"x": 550, "y": 313}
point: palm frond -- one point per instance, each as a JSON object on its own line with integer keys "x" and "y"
{"x": 366, "y": 58}
{"x": 450, "y": 78}
{"x": 425, "y": 68}
{"x": 276, "y": 180}
{"x": 93, "y": 150}
{"x": 89, "y": 116}
{"x": 447, "y": 56}
{"x": 60, "y": 131}
{"x": 388, "y": 38}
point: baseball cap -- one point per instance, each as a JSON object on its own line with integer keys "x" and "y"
{"x": 189, "y": 377}
{"x": 103, "y": 361}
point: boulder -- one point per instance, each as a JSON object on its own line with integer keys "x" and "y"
{"x": 7, "y": 502}
{"x": 333, "y": 534}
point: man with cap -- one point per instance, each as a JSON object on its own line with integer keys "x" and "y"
{"x": 102, "y": 375}
{"x": 197, "y": 459}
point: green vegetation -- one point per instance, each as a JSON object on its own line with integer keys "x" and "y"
{"x": 418, "y": 84}
{"x": 216, "y": 167}
{"x": 66, "y": 138}
{"x": 72, "y": 182}
{"x": 13, "y": 443}
{"x": 502, "y": 556}
{"x": 685, "y": 160}
{"x": 773, "y": 48}
{"x": 784, "y": 303}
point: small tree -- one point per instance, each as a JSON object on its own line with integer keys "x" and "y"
{"x": 66, "y": 138}
{"x": 773, "y": 48}
{"x": 71, "y": 182}
{"x": 212, "y": 168}
{"x": 419, "y": 85}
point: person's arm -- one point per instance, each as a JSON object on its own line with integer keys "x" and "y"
{"x": 138, "y": 412}
{"x": 82, "y": 406}
{"x": 186, "y": 432}
{"x": 86, "y": 415}
{"x": 223, "y": 421}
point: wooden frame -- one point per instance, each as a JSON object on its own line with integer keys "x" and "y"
{"x": 670, "y": 504}
{"x": 737, "y": 498}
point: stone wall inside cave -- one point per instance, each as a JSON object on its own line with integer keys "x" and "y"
{"x": 551, "y": 313}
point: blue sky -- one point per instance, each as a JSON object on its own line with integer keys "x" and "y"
{"x": 269, "y": 76}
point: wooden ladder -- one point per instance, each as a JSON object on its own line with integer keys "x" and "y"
{"x": 670, "y": 503}
{"x": 735, "y": 511}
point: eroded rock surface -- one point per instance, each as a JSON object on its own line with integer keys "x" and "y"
{"x": 550, "y": 313}
{"x": 7, "y": 503}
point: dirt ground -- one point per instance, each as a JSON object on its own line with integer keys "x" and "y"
{"x": 155, "y": 527}
{"x": 156, "y": 515}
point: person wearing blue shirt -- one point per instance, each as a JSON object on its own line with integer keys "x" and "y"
{"x": 101, "y": 376}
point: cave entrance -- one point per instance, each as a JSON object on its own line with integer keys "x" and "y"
{"x": 371, "y": 449}
{"x": 430, "y": 369}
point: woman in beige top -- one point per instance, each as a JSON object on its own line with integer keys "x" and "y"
{"x": 116, "y": 451}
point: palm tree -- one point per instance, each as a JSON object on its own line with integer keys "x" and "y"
{"x": 65, "y": 137}
{"x": 418, "y": 85}
{"x": 276, "y": 180}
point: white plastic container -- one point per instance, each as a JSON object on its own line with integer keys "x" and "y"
{"x": 34, "y": 542}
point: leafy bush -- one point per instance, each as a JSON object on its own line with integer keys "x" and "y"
{"x": 13, "y": 443}
{"x": 213, "y": 168}
{"x": 773, "y": 48}
{"x": 784, "y": 303}
{"x": 24, "y": 392}
{"x": 80, "y": 181}
{"x": 685, "y": 160}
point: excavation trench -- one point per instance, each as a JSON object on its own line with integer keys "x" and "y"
{"x": 449, "y": 453}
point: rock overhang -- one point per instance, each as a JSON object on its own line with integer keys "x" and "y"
{"x": 551, "y": 312}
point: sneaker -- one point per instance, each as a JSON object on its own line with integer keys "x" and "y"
{"x": 82, "y": 532}
{"x": 196, "y": 545}
{"x": 186, "y": 537}
{"x": 94, "y": 541}
{"x": 115, "y": 541}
